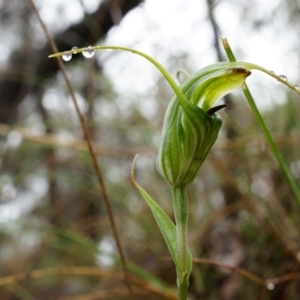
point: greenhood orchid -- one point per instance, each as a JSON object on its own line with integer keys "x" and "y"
{"x": 191, "y": 127}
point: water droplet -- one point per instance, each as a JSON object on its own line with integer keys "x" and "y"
{"x": 283, "y": 77}
{"x": 272, "y": 72}
{"x": 88, "y": 52}
{"x": 297, "y": 87}
{"x": 67, "y": 56}
{"x": 270, "y": 286}
{"x": 75, "y": 48}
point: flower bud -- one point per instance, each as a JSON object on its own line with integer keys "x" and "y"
{"x": 189, "y": 131}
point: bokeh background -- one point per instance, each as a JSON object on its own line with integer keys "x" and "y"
{"x": 55, "y": 238}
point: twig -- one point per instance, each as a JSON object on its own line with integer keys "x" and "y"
{"x": 238, "y": 270}
{"x": 50, "y": 140}
{"x": 90, "y": 146}
{"x": 268, "y": 283}
{"x": 149, "y": 286}
{"x": 91, "y": 271}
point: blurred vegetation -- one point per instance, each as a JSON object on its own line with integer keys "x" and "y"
{"x": 56, "y": 241}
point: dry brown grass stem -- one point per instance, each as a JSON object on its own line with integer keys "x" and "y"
{"x": 89, "y": 271}
{"x": 265, "y": 282}
{"x": 52, "y": 140}
{"x": 90, "y": 147}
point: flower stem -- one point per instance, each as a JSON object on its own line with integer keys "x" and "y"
{"x": 184, "y": 261}
{"x": 163, "y": 71}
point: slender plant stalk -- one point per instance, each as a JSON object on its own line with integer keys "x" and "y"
{"x": 91, "y": 149}
{"x": 285, "y": 170}
{"x": 180, "y": 205}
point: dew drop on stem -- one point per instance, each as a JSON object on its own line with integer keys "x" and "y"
{"x": 88, "y": 52}
{"x": 67, "y": 56}
{"x": 283, "y": 77}
{"x": 297, "y": 87}
{"x": 75, "y": 48}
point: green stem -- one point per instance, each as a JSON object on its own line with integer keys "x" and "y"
{"x": 181, "y": 216}
{"x": 285, "y": 170}
{"x": 183, "y": 101}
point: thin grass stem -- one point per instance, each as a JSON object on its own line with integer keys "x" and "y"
{"x": 91, "y": 149}
{"x": 285, "y": 170}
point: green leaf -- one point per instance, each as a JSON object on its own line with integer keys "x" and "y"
{"x": 167, "y": 227}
